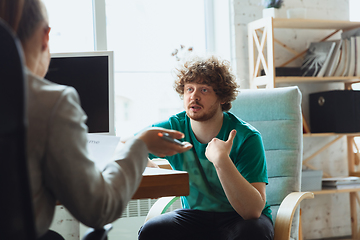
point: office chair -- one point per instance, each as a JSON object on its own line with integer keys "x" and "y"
{"x": 15, "y": 203}
{"x": 276, "y": 113}
{"x": 16, "y": 208}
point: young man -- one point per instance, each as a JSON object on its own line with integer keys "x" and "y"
{"x": 60, "y": 167}
{"x": 227, "y": 167}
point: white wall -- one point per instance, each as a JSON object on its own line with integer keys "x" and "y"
{"x": 326, "y": 215}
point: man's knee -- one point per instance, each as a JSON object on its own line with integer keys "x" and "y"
{"x": 150, "y": 230}
{"x": 256, "y": 229}
{"x": 159, "y": 227}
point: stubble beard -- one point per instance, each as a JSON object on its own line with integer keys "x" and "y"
{"x": 202, "y": 117}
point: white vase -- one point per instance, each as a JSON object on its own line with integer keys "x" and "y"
{"x": 271, "y": 12}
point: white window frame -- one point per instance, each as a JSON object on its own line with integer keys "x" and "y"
{"x": 209, "y": 26}
{"x": 99, "y": 22}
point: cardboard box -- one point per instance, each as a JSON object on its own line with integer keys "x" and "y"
{"x": 311, "y": 180}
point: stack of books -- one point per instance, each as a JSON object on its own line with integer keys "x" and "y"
{"x": 338, "y": 58}
{"x": 341, "y": 182}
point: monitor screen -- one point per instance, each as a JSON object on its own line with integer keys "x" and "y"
{"x": 91, "y": 74}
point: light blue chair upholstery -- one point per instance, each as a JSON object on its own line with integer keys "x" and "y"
{"x": 276, "y": 113}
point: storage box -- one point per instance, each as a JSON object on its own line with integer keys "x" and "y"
{"x": 335, "y": 111}
{"x": 311, "y": 180}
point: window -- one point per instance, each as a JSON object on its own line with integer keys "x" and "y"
{"x": 71, "y": 25}
{"x": 143, "y": 34}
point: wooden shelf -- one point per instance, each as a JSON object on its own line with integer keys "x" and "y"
{"x": 337, "y": 190}
{"x": 331, "y": 134}
{"x": 312, "y": 23}
{"x": 353, "y": 79}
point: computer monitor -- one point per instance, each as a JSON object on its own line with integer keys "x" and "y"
{"x": 92, "y": 75}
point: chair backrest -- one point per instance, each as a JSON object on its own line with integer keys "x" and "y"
{"x": 15, "y": 201}
{"x": 276, "y": 113}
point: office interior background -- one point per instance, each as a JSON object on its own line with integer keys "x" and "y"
{"x": 143, "y": 35}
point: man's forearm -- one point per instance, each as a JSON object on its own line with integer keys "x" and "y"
{"x": 243, "y": 196}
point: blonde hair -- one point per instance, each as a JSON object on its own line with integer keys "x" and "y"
{"x": 34, "y": 13}
{"x": 23, "y": 16}
{"x": 11, "y": 11}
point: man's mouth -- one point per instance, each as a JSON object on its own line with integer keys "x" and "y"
{"x": 195, "y": 106}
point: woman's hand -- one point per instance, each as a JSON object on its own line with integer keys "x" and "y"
{"x": 160, "y": 147}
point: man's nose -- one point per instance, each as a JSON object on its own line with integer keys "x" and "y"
{"x": 195, "y": 95}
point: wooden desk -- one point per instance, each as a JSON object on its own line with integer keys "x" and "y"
{"x": 158, "y": 182}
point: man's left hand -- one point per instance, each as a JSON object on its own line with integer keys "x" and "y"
{"x": 218, "y": 149}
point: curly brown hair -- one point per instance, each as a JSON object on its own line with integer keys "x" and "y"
{"x": 211, "y": 71}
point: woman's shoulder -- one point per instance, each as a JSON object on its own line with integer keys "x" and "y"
{"x": 38, "y": 84}
{"x": 44, "y": 89}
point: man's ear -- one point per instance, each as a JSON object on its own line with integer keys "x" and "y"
{"x": 45, "y": 39}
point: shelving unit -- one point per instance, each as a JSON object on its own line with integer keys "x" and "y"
{"x": 261, "y": 42}
{"x": 261, "y": 35}
{"x": 350, "y": 80}
{"x": 354, "y": 196}
{"x": 350, "y": 143}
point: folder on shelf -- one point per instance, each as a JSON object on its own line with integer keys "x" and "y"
{"x": 357, "y": 53}
{"x": 353, "y": 38}
{"x": 352, "y": 57}
{"x": 334, "y": 60}
{"x": 347, "y": 57}
{"x": 340, "y": 69}
{"x": 341, "y": 181}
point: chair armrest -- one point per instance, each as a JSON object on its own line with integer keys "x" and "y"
{"x": 97, "y": 234}
{"x": 160, "y": 207}
{"x": 286, "y": 213}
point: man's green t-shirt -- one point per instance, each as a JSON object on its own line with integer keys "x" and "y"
{"x": 247, "y": 153}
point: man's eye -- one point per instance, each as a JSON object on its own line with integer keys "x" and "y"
{"x": 189, "y": 89}
{"x": 204, "y": 90}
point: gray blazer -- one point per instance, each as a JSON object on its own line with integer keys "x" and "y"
{"x": 59, "y": 164}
